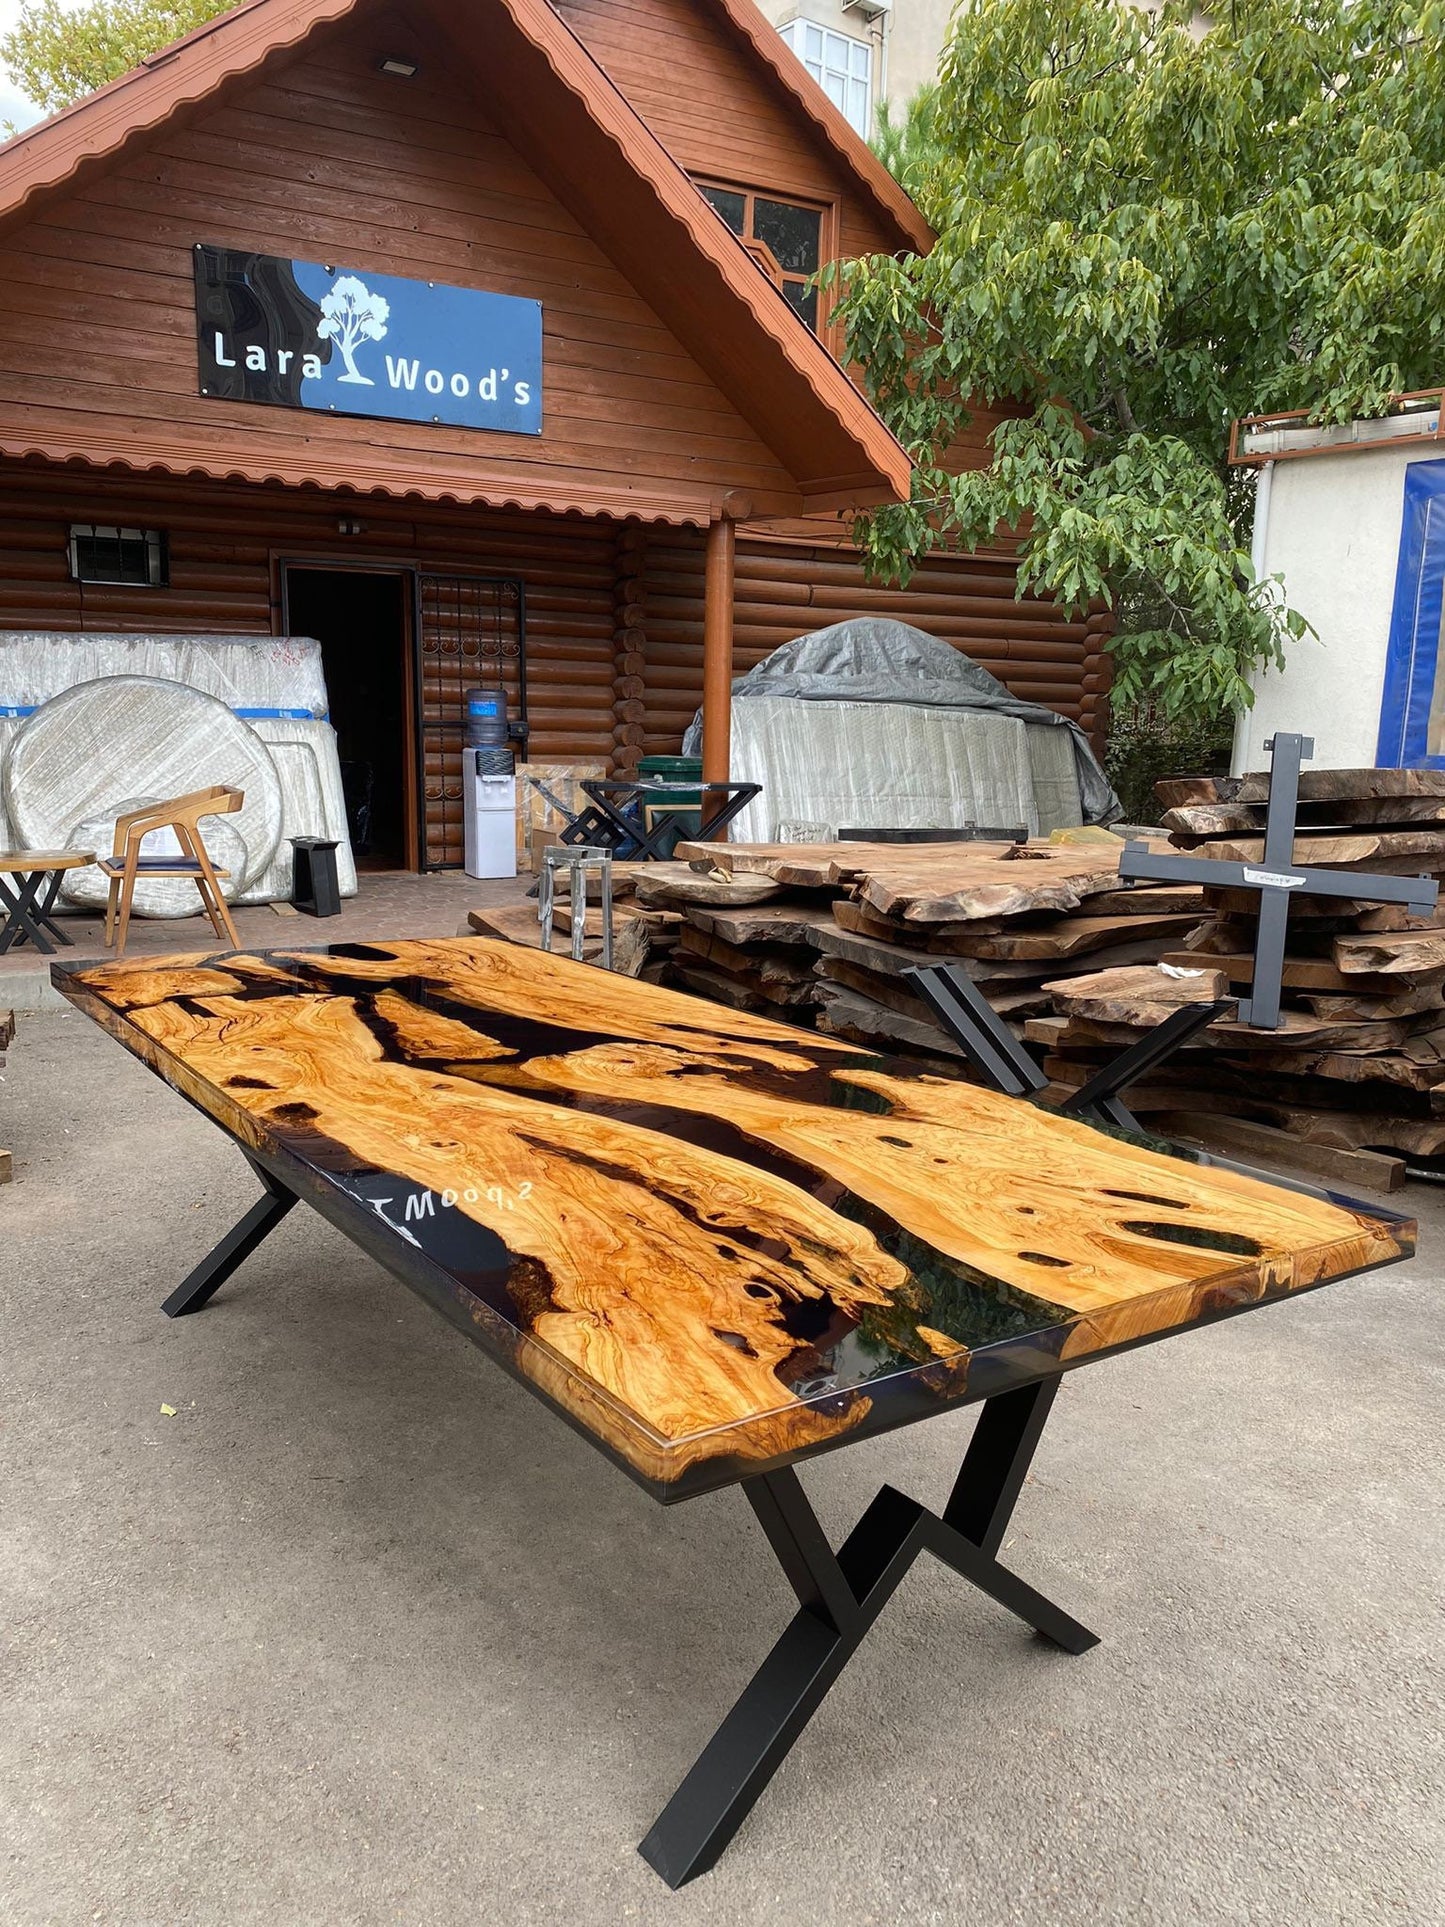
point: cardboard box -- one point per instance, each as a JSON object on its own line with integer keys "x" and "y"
{"x": 535, "y": 813}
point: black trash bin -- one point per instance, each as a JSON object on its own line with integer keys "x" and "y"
{"x": 315, "y": 887}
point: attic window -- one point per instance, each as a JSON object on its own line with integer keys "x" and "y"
{"x": 136, "y": 557}
{"x": 785, "y": 238}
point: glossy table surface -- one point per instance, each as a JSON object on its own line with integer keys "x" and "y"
{"x": 716, "y": 1243}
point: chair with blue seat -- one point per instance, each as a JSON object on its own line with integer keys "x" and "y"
{"x": 182, "y": 816}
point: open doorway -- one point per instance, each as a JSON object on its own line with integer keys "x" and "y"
{"x": 359, "y": 616}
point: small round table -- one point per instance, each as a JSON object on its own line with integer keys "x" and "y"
{"x": 23, "y": 875}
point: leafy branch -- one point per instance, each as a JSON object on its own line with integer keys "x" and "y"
{"x": 1144, "y": 233}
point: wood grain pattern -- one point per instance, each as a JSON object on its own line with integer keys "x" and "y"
{"x": 713, "y": 1240}
{"x": 1364, "y": 849}
{"x": 924, "y": 884}
{"x": 1315, "y": 785}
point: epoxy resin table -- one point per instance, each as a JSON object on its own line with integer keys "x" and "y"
{"x": 717, "y": 1246}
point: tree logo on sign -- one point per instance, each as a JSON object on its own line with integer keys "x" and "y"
{"x": 351, "y": 314}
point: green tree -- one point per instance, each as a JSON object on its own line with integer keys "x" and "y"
{"x": 58, "y": 56}
{"x": 1144, "y": 233}
{"x": 905, "y": 141}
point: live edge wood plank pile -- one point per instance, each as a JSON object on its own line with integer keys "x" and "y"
{"x": 826, "y": 932}
{"x": 1360, "y": 1058}
{"x": 1080, "y": 965}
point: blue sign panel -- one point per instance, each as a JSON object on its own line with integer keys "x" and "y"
{"x": 297, "y": 334}
{"x": 1412, "y": 712}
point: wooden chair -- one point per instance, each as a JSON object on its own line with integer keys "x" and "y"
{"x": 125, "y": 864}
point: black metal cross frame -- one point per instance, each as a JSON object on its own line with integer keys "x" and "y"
{"x": 617, "y": 817}
{"x": 1275, "y": 877}
{"x": 840, "y": 1594}
{"x": 997, "y": 1055}
{"x": 25, "y": 915}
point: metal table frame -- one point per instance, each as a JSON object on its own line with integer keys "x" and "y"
{"x": 619, "y": 811}
{"x": 840, "y": 1594}
{"x": 27, "y": 918}
{"x": 1276, "y": 876}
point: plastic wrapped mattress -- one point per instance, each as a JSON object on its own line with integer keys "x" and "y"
{"x": 275, "y": 685}
{"x": 839, "y": 766}
{"x": 256, "y": 676}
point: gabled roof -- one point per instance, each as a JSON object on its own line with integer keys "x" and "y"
{"x": 767, "y": 46}
{"x": 569, "y": 122}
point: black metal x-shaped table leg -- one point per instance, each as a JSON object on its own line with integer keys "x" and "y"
{"x": 234, "y": 1249}
{"x": 27, "y": 917}
{"x": 840, "y": 1595}
{"x": 629, "y": 821}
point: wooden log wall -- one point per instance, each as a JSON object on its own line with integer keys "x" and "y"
{"x": 614, "y": 615}
{"x": 629, "y": 660}
{"x": 223, "y": 542}
{"x": 785, "y": 589}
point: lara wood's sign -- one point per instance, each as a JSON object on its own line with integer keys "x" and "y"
{"x": 298, "y": 334}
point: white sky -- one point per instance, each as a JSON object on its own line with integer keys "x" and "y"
{"x": 13, "y": 104}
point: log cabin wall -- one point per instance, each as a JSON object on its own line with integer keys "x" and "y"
{"x": 331, "y": 160}
{"x": 225, "y": 549}
{"x": 785, "y": 588}
{"x": 614, "y": 612}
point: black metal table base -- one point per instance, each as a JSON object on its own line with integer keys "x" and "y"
{"x": 234, "y": 1249}
{"x": 998, "y": 1056}
{"x": 839, "y": 1597}
{"x": 840, "y": 1594}
{"x": 1277, "y": 877}
{"x": 26, "y": 915}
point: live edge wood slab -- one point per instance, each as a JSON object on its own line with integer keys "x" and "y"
{"x": 717, "y": 1244}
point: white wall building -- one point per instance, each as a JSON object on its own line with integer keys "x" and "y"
{"x": 1353, "y": 519}
{"x": 864, "y": 51}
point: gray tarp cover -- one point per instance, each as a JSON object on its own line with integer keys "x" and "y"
{"x": 875, "y": 660}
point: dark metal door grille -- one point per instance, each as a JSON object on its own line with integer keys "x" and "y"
{"x": 470, "y": 629}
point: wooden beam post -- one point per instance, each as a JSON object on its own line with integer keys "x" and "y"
{"x": 717, "y": 649}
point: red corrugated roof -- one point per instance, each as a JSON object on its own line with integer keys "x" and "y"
{"x": 768, "y": 47}
{"x": 568, "y": 120}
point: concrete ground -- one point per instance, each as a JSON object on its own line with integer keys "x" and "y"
{"x": 388, "y": 903}
{"x": 363, "y": 1634}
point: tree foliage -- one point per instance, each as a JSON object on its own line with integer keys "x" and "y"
{"x": 906, "y": 143}
{"x": 1144, "y": 233}
{"x": 58, "y": 56}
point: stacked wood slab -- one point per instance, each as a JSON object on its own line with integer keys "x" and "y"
{"x": 824, "y": 933}
{"x": 1359, "y": 1060}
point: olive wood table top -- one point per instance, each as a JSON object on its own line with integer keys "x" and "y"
{"x": 716, "y": 1243}
{"x": 27, "y": 862}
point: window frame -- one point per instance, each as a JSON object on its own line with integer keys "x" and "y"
{"x": 156, "y": 543}
{"x": 757, "y": 249}
{"x": 797, "y": 29}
